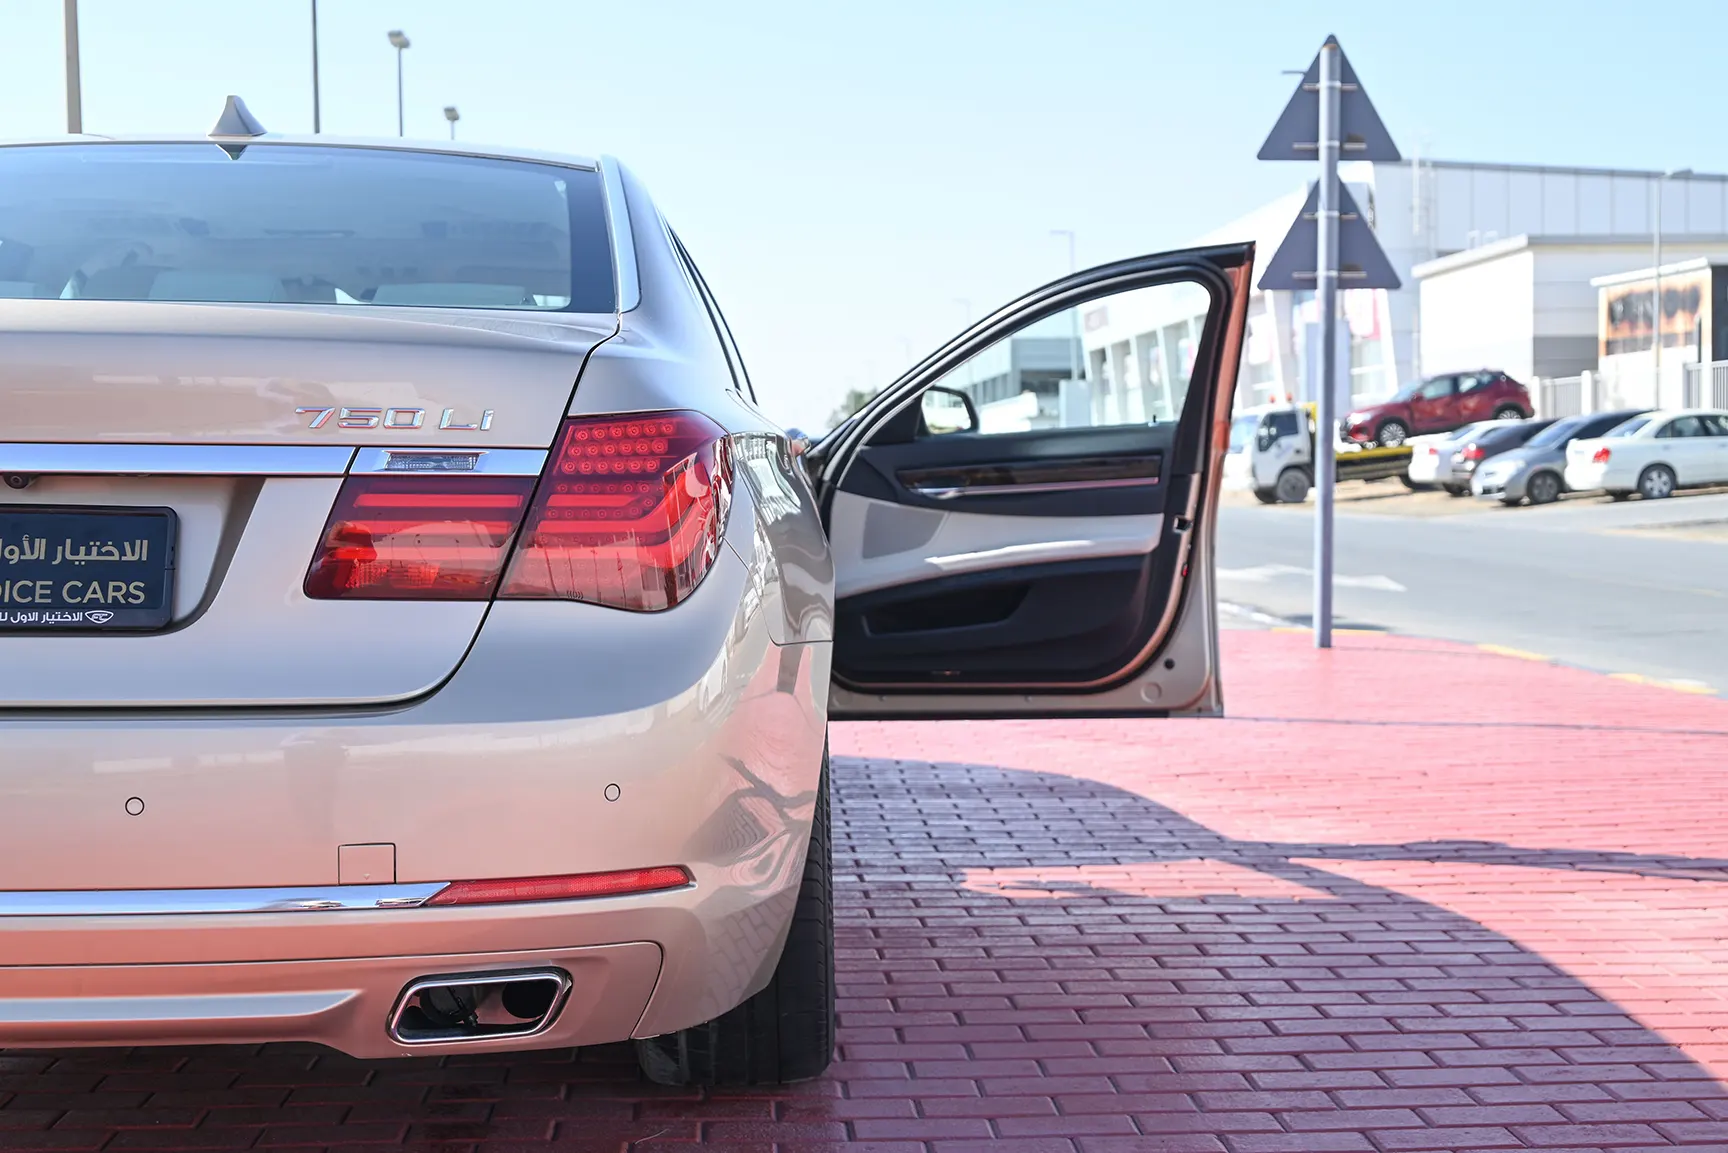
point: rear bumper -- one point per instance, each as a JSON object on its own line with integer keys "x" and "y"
{"x": 573, "y": 739}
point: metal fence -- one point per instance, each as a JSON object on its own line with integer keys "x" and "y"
{"x": 1558, "y": 396}
{"x": 1707, "y": 385}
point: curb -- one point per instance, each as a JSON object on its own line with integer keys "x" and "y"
{"x": 1278, "y": 624}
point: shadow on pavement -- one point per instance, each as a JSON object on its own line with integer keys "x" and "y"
{"x": 1033, "y": 955}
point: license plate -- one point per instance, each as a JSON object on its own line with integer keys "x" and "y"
{"x": 86, "y": 568}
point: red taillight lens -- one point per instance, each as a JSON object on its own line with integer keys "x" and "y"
{"x": 1602, "y": 455}
{"x": 629, "y": 514}
{"x": 510, "y": 890}
{"x": 1472, "y": 452}
{"x": 418, "y": 537}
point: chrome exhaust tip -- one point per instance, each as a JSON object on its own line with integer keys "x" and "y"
{"x": 457, "y": 1007}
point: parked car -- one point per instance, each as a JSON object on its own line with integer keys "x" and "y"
{"x": 1653, "y": 455}
{"x": 1536, "y": 472}
{"x": 1271, "y": 454}
{"x": 415, "y": 640}
{"x": 1431, "y": 455}
{"x": 1439, "y": 404}
{"x": 1484, "y": 444}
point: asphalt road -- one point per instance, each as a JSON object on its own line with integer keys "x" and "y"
{"x": 1639, "y": 587}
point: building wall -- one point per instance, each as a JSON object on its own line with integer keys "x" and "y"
{"x": 1482, "y": 316}
{"x": 1421, "y": 210}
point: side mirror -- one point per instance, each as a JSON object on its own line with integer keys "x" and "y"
{"x": 947, "y": 410}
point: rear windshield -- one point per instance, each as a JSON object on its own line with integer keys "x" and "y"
{"x": 301, "y": 224}
{"x": 1629, "y": 428}
{"x": 1560, "y": 432}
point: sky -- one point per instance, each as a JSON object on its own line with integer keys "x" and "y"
{"x": 857, "y": 181}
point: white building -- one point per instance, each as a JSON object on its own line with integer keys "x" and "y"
{"x": 1425, "y": 210}
{"x": 1530, "y": 304}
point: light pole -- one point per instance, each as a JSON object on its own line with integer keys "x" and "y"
{"x": 1656, "y": 296}
{"x": 400, "y": 42}
{"x": 74, "y": 89}
{"x": 317, "y": 121}
{"x": 1073, "y": 316}
{"x": 452, "y": 116}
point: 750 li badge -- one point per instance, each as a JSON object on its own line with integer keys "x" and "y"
{"x": 393, "y": 418}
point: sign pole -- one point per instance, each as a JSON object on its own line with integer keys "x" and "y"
{"x": 1326, "y": 286}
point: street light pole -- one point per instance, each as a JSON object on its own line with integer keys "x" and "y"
{"x": 317, "y": 120}
{"x": 1656, "y": 296}
{"x": 1073, "y": 316}
{"x": 400, "y": 42}
{"x": 452, "y": 116}
{"x": 74, "y": 85}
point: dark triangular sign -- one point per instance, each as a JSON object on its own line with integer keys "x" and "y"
{"x": 1296, "y": 136}
{"x": 1361, "y": 263}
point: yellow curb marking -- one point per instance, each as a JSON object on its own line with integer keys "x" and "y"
{"x": 1520, "y": 654}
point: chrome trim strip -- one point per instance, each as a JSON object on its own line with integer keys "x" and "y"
{"x": 490, "y": 461}
{"x": 177, "y": 459}
{"x": 949, "y": 492}
{"x": 178, "y": 902}
{"x": 623, "y": 239}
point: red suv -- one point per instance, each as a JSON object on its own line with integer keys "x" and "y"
{"x": 1439, "y": 404}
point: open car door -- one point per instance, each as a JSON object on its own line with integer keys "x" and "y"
{"x": 1023, "y": 524}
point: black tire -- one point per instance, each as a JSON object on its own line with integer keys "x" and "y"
{"x": 1266, "y": 495}
{"x": 1404, "y": 479}
{"x": 1543, "y": 488}
{"x": 1293, "y": 486}
{"x": 785, "y": 1033}
{"x": 1454, "y": 489}
{"x": 1509, "y": 412}
{"x": 1391, "y": 433}
{"x": 1656, "y": 482}
{"x": 1618, "y": 495}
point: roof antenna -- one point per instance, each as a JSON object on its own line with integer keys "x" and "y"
{"x": 235, "y": 121}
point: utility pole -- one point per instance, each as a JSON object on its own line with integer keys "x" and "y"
{"x": 1073, "y": 313}
{"x": 74, "y": 81}
{"x": 1656, "y": 296}
{"x": 1328, "y": 247}
{"x": 399, "y": 42}
{"x": 317, "y": 121}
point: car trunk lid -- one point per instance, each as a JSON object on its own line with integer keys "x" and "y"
{"x": 230, "y": 428}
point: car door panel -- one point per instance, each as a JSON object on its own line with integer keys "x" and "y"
{"x": 1045, "y": 572}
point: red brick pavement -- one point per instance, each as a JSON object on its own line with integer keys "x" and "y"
{"x": 1412, "y": 896}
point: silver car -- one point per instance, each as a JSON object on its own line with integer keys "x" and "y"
{"x": 414, "y": 638}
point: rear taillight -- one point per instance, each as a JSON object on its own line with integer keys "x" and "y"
{"x": 629, "y": 513}
{"x": 418, "y": 537}
{"x": 1471, "y": 452}
{"x": 1602, "y": 455}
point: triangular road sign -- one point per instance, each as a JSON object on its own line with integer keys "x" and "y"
{"x": 1296, "y": 136}
{"x": 1361, "y": 263}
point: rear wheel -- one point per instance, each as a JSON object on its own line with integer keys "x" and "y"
{"x": 1391, "y": 434}
{"x": 1266, "y": 495}
{"x": 1543, "y": 488}
{"x": 1508, "y": 412}
{"x": 1454, "y": 489}
{"x": 1293, "y": 485}
{"x": 785, "y": 1032}
{"x": 1656, "y": 482}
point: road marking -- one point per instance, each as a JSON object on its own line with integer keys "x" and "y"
{"x": 1520, "y": 654}
{"x": 1260, "y": 574}
{"x": 1697, "y": 688}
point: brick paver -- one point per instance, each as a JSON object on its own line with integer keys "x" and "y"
{"x": 1412, "y": 896}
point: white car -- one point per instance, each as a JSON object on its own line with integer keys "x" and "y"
{"x": 1653, "y": 455}
{"x": 1431, "y": 456}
